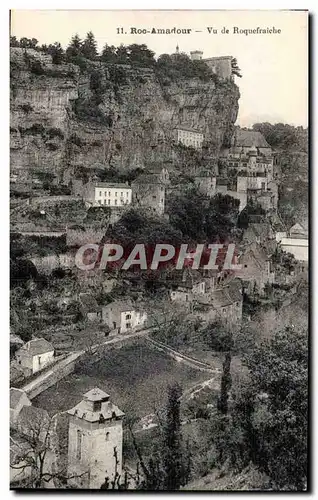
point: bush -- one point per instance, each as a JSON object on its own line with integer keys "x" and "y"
{"x": 26, "y": 108}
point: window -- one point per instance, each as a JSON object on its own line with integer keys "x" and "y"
{"x": 121, "y": 194}
{"x": 108, "y": 201}
{"x": 99, "y": 201}
{"x": 245, "y": 265}
{"x": 100, "y": 193}
{"x": 115, "y": 202}
{"x": 128, "y": 316}
{"x": 97, "y": 405}
{"x": 115, "y": 193}
{"x": 105, "y": 194}
{"x": 128, "y": 325}
{"x": 108, "y": 193}
{"x": 107, "y": 436}
{"x": 154, "y": 197}
{"x": 127, "y": 194}
{"x": 187, "y": 297}
{"x": 79, "y": 445}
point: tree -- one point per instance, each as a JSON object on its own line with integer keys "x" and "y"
{"x": 74, "y": 49}
{"x": 89, "y": 47}
{"x": 140, "y": 54}
{"x": 169, "y": 466}
{"x": 108, "y": 54}
{"x": 172, "y": 442}
{"x": 57, "y": 52}
{"x": 122, "y": 55}
{"x": 235, "y": 69}
{"x": 14, "y": 42}
{"x": 268, "y": 420}
{"x": 33, "y": 456}
{"x": 226, "y": 382}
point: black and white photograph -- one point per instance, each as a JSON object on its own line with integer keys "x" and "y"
{"x": 159, "y": 234}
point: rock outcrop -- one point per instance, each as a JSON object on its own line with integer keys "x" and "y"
{"x": 64, "y": 118}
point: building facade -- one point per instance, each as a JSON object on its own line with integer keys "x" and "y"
{"x": 189, "y": 137}
{"x": 123, "y": 316}
{"x": 35, "y": 355}
{"x": 108, "y": 194}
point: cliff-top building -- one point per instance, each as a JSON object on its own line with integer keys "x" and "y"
{"x": 220, "y": 66}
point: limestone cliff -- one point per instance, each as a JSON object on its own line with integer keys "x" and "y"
{"x": 64, "y": 117}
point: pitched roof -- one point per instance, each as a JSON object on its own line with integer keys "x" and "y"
{"x": 298, "y": 229}
{"x": 121, "y": 305}
{"x": 89, "y": 303}
{"x": 250, "y": 138}
{"x": 15, "y": 396}
{"x": 111, "y": 185}
{"x": 96, "y": 394}
{"x": 37, "y": 346}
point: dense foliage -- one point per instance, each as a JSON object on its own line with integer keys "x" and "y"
{"x": 267, "y": 422}
{"x": 168, "y": 67}
{"x": 283, "y": 136}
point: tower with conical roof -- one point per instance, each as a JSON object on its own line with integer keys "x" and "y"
{"x": 95, "y": 436}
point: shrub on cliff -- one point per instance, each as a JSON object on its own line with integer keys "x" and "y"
{"x": 180, "y": 66}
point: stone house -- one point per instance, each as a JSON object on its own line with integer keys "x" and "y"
{"x": 95, "y": 431}
{"x": 89, "y": 307}
{"x": 257, "y": 269}
{"x": 35, "y": 355}
{"x": 187, "y": 285}
{"x": 224, "y": 304}
{"x": 18, "y": 399}
{"x": 124, "y": 316}
{"x": 149, "y": 192}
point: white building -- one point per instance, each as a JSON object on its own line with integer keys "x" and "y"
{"x": 297, "y": 247}
{"x": 113, "y": 195}
{"x": 108, "y": 194}
{"x": 189, "y": 137}
{"x": 35, "y": 355}
{"x": 123, "y": 316}
{"x": 295, "y": 241}
{"x": 95, "y": 434}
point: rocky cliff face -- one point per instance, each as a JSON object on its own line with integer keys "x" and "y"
{"x": 64, "y": 118}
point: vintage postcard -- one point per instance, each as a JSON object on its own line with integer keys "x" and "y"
{"x": 159, "y": 250}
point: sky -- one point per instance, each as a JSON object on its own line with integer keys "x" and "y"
{"x": 274, "y": 83}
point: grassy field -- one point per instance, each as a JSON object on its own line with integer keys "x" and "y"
{"x": 136, "y": 377}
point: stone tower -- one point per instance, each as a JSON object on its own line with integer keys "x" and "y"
{"x": 95, "y": 430}
{"x": 196, "y": 55}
